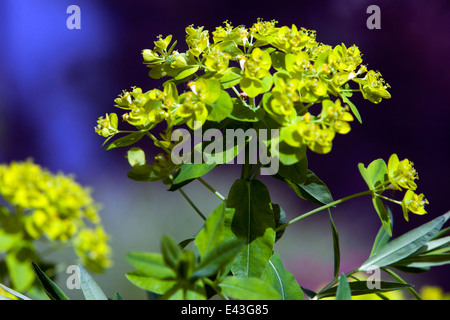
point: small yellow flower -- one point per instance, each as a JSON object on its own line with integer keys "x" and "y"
{"x": 433, "y": 293}
{"x": 91, "y": 245}
{"x": 402, "y": 173}
{"x": 107, "y": 126}
{"x": 414, "y": 203}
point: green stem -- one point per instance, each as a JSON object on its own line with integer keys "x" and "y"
{"x": 399, "y": 279}
{"x": 157, "y": 142}
{"x": 192, "y": 204}
{"x": 335, "y": 281}
{"x": 236, "y": 91}
{"x": 218, "y": 195}
{"x": 331, "y": 204}
{"x": 199, "y": 179}
{"x": 255, "y": 171}
{"x": 239, "y": 96}
{"x": 389, "y": 199}
{"x": 212, "y": 285}
{"x": 252, "y": 102}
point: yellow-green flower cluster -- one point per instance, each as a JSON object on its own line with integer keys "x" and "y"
{"x": 318, "y": 132}
{"x": 51, "y": 206}
{"x": 403, "y": 175}
{"x": 91, "y": 244}
{"x": 281, "y": 72}
{"x": 144, "y": 108}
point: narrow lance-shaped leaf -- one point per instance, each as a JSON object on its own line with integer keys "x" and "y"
{"x": 352, "y": 107}
{"x": 382, "y": 236}
{"x": 404, "y": 245}
{"x": 50, "y": 288}
{"x": 382, "y": 214}
{"x": 336, "y": 247}
{"x": 14, "y": 293}
{"x": 117, "y": 296}
{"x": 425, "y": 261}
{"x": 343, "y": 290}
{"x": 360, "y": 287}
{"x": 90, "y": 288}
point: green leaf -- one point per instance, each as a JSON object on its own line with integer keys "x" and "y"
{"x": 221, "y": 108}
{"x": 382, "y": 214}
{"x": 126, "y": 140}
{"x": 136, "y": 157}
{"x": 290, "y": 155}
{"x": 232, "y": 78}
{"x": 14, "y": 293}
{"x": 243, "y": 113}
{"x": 278, "y": 60}
{"x": 254, "y": 222}
{"x": 361, "y": 287}
{"x": 217, "y": 258}
{"x": 352, "y": 107}
{"x": 424, "y": 261}
{"x": 151, "y": 264}
{"x": 209, "y": 90}
{"x": 282, "y": 280}
{"x": 382, "y": 236}
{"x": 343, "y": 291}
{"x": 145, "y": 282}
{"x": 187, "y": 72}
{"x": 252, "y": 87}
{"x": 280, "y": 219}
{"x": 117, "y": 296}
{"x": 375, "y": 175}
{"x": 8, "y": 239}
{"x": 18, "y": 261}
{"x": 213, "y": 232}
{"x": 248, "y": 289}
{"x": 90, "y": 288}
{"x": 313, "y": 189}
{"x": 146, "y": 173}
{"x": 50, "y": 288}
{"x": 336, "y": 248}
{"x": 405, "y": 245}
{"x": 183, "y": 244}
{"x": 266, "y": 83}
{"x": 441, "y": 244}
{"x": 192, "y": 171}
{"x": 229, "y": 47}
{"x": 171, "y": 251}
{"x": 363, "y": 172}
{"x": 296, "y": 173}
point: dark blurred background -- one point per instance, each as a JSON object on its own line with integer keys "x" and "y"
{"x": 55, "y": 82}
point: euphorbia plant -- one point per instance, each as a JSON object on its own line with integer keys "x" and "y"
{"x": 262, "y": 77}
{"x": 267, "y": 79}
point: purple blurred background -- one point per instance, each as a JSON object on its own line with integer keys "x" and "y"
{"x": 56, "y": 82}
